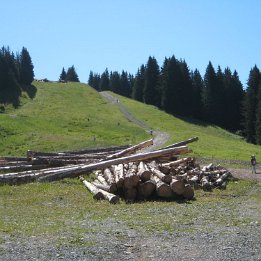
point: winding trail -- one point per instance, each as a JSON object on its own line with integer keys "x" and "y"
{"x": 159, "y": 137}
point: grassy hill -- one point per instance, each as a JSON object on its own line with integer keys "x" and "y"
{"x": 68, "y": 116}
{"x": 64, "y": 117}
{"x": 214, "y": 142}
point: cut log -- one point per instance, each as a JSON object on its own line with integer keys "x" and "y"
{"x": 182, "y": 143}
{"x": 206, "y": 185}
{"x": 131, "y": 178}
{"x": 177, "y": 186}
{"x": 144, "y": 172}
{"x": 177, "y": 162}
{"x": 131, "y": 150}
{"x": 109, "y": 176}
{"x": 97, "y": 194}
{"x": 113, "y": 199}
{"x": 146, "y": 189}
{"x": 112, "y": 188}
{"x": 165, "y": 178}
{"x": 130, "y": 194}
{"x": 222, "y": 178}
{"x": 137, "y": 157}
{"x": 188, "y": 192}
{"x": 163, "y": 189}
{"x": 118, "y": 171}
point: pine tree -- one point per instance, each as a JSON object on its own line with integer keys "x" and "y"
{"x": 26, "y": 68}
{"x": 250, "y": 105}
{"x": 151, "y": 86}
{"x": 115, "y": 83}
{"x": 258, "y": 117}
{"x": 71, "y": 75}
{"x": 210, "y": 101}
{"x": 96, "y": 81}
{"x": 125, "y": 84}
{"x": 63, "y": 76}
{"x": 197, "y": 85}
{"x": 104, "y": 81}
{"x": 138, "y": 87}
{"x": 91, "y": 77}
{"x": 10, "y": 90}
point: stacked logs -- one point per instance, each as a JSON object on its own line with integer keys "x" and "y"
{"x": 206, "y": 177}
{"x": 150, "y": 179}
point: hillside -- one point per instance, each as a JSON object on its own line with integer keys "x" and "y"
{"x": 64, "y": 117}
{"x": 69, "y": 116}
{"x": 214, "y": 142}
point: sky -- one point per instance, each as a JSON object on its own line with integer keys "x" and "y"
{"x": 122, "y": 34}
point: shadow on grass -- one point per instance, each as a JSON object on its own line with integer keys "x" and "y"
{"x": 30, "y": 90}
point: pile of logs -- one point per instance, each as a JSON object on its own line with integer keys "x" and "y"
{"x": 120, "y": 171}
{"x": 150, "y": 179}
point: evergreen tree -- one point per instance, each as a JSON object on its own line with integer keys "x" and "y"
{"x": 10, "y": 90}
{"x": 104, "y": 81}
{"x": 250, "y": 105}
{"x": 138, "y": 87}
{"x": 197, "y": 85}
{"x": 115, "y": 83}
{"x": 232, "y": 100}
{"x": 258, "y": 117}
{"x": 26, "y": 68}
{"x": 211, "y": 96}
{"x": 96, "y": 81}
{"x": 125, "y": 84}
{"x": 63, "y": 76}
{"x": 151, "y": 86}
{"x": 90, "y": 80}
{"x": 71, "y": 75}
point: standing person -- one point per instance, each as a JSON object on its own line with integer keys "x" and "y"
{"x": 253, "y": 164}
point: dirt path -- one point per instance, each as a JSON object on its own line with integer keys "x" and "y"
{"x": 159, "y": 137}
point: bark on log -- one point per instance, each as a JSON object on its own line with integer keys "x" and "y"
{"x": 165, "y": 178}
{"x": 177, "y": 186}
{"x": 131, "y": 178}
{"x": 130, "y": 194}
{"x": 108, "y": 176}
{"x": 206, "y": 185}
{"x": 146, "y": 189}
{"x": 113, "y": 199}
{"x": 131, "y": 150}
{"x": 188, "y": 192}
{"x": 163, "y": 189}
{"x": 109, "y": 188}
{"x": 182, "y": 143}
{"x": 118, "y": 171}
{"x": 177, "y": 162}
{"x": 144, "y": 172}
{"x": 97, "y": 194}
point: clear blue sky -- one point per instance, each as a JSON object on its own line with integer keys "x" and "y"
{"x": 118, "y": 34}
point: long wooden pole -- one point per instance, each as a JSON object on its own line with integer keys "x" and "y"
{"x": 74, "y": 172}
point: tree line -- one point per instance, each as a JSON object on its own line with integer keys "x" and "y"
{"x": 16, "y": 75}
{"x": 69, "y": 76}
{"x": 216, "y": 98}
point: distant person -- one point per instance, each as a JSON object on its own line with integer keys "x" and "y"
{"x": 151, "y": 132}
{"x": 253, "y": 164}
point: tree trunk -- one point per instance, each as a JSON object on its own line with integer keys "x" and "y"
{"x": 144, "y": 172}
{"x": 97, "y": 194}
{"x": 182, "y": 143}
{"x": 130, "y": 194}
{"x": 165, "y": 178}
{"x": 188, "y": 192}
{"x": 177, "y": 186}
{"x": 146, "y": 189}
{"x": 163, "y": 189}
{"x": 131, "y": 150}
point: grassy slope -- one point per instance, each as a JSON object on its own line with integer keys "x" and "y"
{"x": 213, "y": 141}
{"x": 57, "y": 119}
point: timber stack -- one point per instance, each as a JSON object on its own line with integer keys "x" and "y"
{"x": 121, "y": 172}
